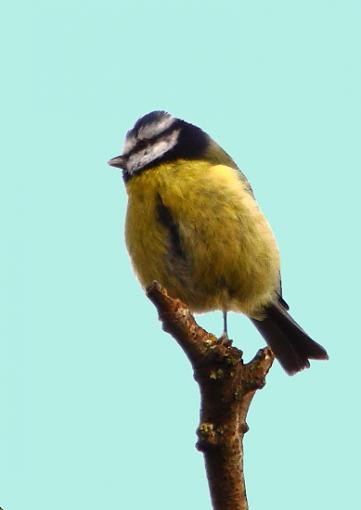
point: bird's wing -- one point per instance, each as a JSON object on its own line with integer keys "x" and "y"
{"x": 219, "y": 156}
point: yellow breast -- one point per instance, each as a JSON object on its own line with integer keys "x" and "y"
{"x": 226, "y": 256}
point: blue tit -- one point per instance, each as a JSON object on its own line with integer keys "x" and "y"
{"x": 193, "y": 224}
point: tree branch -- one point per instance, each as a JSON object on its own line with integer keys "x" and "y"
{"x": 227, "y": 387}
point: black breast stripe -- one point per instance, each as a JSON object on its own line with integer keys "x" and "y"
{"x": 165, "y": 218}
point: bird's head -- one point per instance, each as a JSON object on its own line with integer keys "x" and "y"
{"x": 159, "y": 137}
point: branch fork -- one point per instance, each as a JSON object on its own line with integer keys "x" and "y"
{"x": 227, "y": 386}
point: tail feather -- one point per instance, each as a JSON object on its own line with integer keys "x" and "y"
{"x": 290, "y": 343}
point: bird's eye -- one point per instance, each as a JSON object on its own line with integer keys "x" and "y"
{"x": 141, "y": 144}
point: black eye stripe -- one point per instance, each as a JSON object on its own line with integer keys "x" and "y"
{"x": 143, "y": 143}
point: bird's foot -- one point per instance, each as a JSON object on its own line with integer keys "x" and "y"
{"x": 224, "y": 339}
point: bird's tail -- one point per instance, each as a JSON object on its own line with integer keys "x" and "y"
{"x": 291, "y": 345}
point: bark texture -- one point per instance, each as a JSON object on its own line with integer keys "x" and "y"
{"x": 227, "y": 387}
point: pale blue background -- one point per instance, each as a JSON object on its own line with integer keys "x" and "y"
{"x": 98, "y": 405}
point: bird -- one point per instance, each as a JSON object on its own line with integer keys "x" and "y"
{"x": 193, "y": 224}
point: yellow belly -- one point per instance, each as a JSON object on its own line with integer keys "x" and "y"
{"x": 229, "y": 256}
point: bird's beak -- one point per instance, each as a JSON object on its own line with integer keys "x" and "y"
{"x": 118, "y": 162}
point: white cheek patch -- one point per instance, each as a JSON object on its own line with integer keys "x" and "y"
{"x": 154, "y": 129}
{"x": 142, "y": 158}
